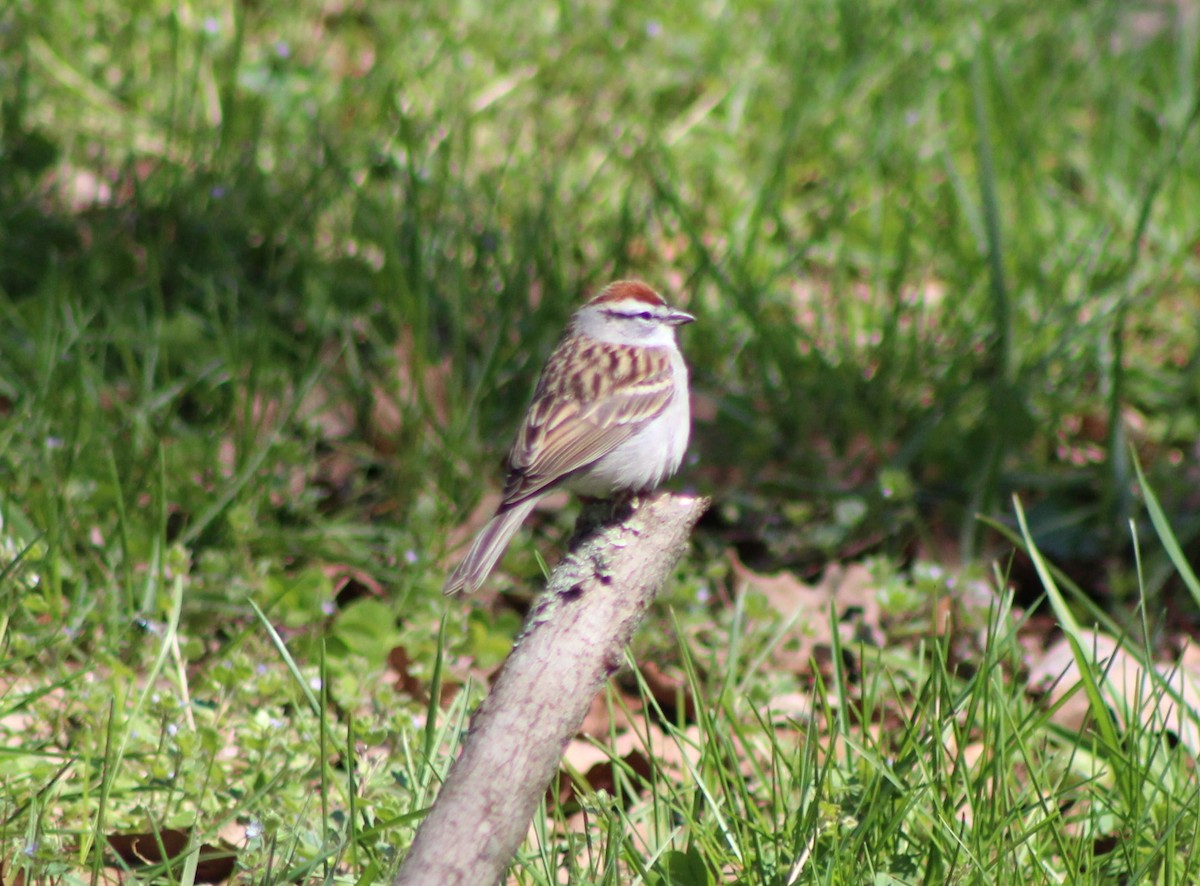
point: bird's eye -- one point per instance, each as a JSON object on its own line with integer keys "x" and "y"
{"x": 645, "y": 315}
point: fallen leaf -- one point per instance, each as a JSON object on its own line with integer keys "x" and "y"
{"x": 806, "y": 609}
{"x": 604, "y": 718}
{"x": 166, "y": 846}
{"x": 1166, "y": 698}
{"x": 670, "y": 691}
{"x": 18, "y": 879}
{"x": 350, "y": 584}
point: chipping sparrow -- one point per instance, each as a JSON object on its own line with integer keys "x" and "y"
{"x": 610, "y": 414}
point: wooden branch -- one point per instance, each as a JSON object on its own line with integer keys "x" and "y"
{"x": 572, "y": 642}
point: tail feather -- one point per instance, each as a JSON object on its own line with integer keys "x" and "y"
{"x": 487, "y": 548}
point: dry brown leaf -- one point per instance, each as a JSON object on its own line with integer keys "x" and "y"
{"x": 670, "y": 691}
{"x": 849, "y": 591}
{"x": 405, "y": 683}
{"x": 1169, "y": 700}
{"x": 783, "y": 591}
{"x": 603, "y": 776}
{"x": 139, "y": 850}
{"x": 790, "y": 706}
{"x": 232, "y": 832}
{"x": 351, "y": 584}
{"x": 1054, "y": 673}
{"x": 646, "y": 740}
{"x": 17, "y": 879}
{"x": 603, "y": 718}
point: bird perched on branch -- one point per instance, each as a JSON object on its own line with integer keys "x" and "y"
{"x": 610, "y": 415}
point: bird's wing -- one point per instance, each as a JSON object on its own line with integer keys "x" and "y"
{"x": 575, "y": 420}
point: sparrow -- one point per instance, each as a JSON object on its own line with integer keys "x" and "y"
{"x": 610, "y": 415}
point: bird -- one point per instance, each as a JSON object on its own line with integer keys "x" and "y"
{"x": 610, "y": 415}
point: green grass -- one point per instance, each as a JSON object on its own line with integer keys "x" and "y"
{"x": 275, "y": 281}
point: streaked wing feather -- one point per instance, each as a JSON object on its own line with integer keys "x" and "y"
{"x": 569, "y": 425}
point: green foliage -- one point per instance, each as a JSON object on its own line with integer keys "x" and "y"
{"x": 275, "y": 281}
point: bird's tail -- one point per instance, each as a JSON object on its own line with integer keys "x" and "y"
{"x": 487, "y": 548}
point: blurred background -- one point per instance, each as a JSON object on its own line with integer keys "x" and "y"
{"x": 276, "y": 278}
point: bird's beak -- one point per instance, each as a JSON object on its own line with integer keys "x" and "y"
{"x": 679, "y": 318}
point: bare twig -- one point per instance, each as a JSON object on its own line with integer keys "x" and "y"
{"x": 572, "y": 642}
